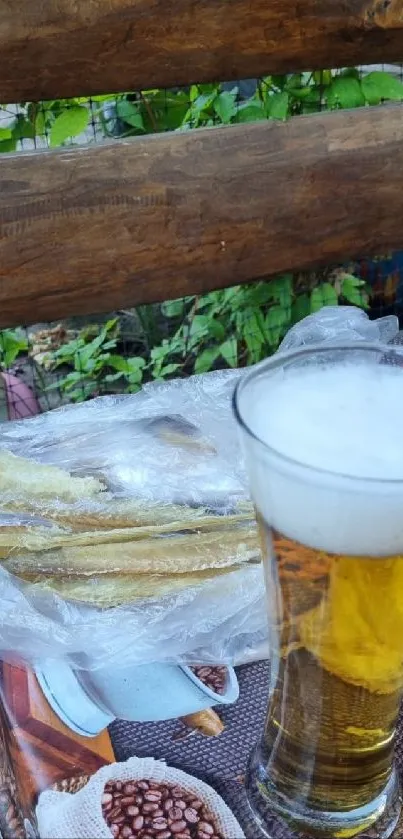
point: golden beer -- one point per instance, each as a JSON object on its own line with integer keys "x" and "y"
{"x": 330, "y": 516}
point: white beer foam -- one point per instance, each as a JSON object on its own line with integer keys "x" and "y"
{"x": 346, "y": 419}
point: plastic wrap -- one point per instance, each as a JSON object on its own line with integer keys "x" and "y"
{"x": 127, "y": 533}
{"x": 126, "y": 530}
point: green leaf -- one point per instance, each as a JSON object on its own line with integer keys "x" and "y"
{"x": 250, "y": 113}
{"x": 301, "y": 93}
{"x": 322, "y": 77}
{"x": 130, "y": 112}
{"x": 300, "y": 308}
{"x": 205, "y": 361}
{"x": 70, "y": 123}
{"x": 203, "y": 102}
{"x": 229, "y": 351}
{"x": 169, "y": 369}
{"x": 8, "y": 145}
{"x": 351, "y": 291}
{"x": 119, "y": 363}
{"x": 329, "y": 295}
{"x": 40, "y": 124}
{"x": 277, "y": 106}
{"x": 277, "y": 317}
{"x": 23, "y": 129}
{"x": 261, "y": 294}
{"x": 136, "y": 362}
{"x": 254, "y": 335}
{"x": 292, "y": 82}
{"x": 216, "y": 329}
{"x": 352, "y": 280}
{"x": 173, "y": 308}
{"x": 12, "y": 344}
{"x": 5, "y": 133}
{"x": 352, "y": 295}
{"x": 225, "y": 106}
{"x": 378, "y": 85}
{"x": 345, "y": 92}
{"x": 281, "y": 289}
{"x": 316, "y": 299}
{"x": 351, "y": 71}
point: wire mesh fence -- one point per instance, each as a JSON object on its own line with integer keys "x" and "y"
{"x": 51, "y": 364}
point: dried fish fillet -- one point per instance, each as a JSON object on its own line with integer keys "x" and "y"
{"x": 17, "y": 538}
{"x": 162, "y": 555}
{"x": 114, "y": 513}
{"x": 26, "y": 477}
{"x": 107, "y": 591}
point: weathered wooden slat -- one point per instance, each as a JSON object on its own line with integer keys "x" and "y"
{"x": 62, "y": 48}
{"x": 94, "y": 229}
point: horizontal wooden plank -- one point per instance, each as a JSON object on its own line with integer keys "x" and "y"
{"x": 64, "y": 48}
{"x": 95, "y": 229}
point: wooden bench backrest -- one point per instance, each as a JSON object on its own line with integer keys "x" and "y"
{"x": 98, "y": 228}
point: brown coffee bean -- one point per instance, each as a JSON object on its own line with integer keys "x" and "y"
{"x": 159, "y": 824}
{"x": 150, "y": 808}
{"x": 115, "y": 814}
{"x": 129, "y": 789}
{"x": 191, "y": 815}
{"x": 206, "y": 827}
{"x": 175, "y": 814}
{"x": 142, "y": 785}
{"x": 178, "y": 827}
{"x": 138, "y": 822}
{"x": 153, "y": 795}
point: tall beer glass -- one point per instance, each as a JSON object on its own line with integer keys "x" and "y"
{"x": 323, "y": 436}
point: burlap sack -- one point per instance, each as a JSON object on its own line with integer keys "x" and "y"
{"x": 64, "y": 816}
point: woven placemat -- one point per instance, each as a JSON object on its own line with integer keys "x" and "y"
{"x": 220, "y": 761}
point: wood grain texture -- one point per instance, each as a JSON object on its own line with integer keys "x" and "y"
{"x": 95, "y": 229}
{"x": 56, "y": 48}
{"x": 43, "y": 749}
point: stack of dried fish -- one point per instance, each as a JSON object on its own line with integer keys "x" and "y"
{"x": 70, "y": 535}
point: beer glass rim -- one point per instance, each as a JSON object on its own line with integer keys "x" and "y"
{"x": 276, "y": 360}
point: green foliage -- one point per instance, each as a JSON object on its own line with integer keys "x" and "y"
{"x": 229, "y": 328}
{"x": 237, "y": 326}
{"x": 89, "y": 359}
{"x": 69, "y": 123}
{"x": 234, "y": 327}
{"x": 13, "y": 343}
{"x": 129, "y": 114}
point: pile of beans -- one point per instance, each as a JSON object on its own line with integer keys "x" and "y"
{"x": 151, "y": 810}
{"x": 215, "y": 678}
